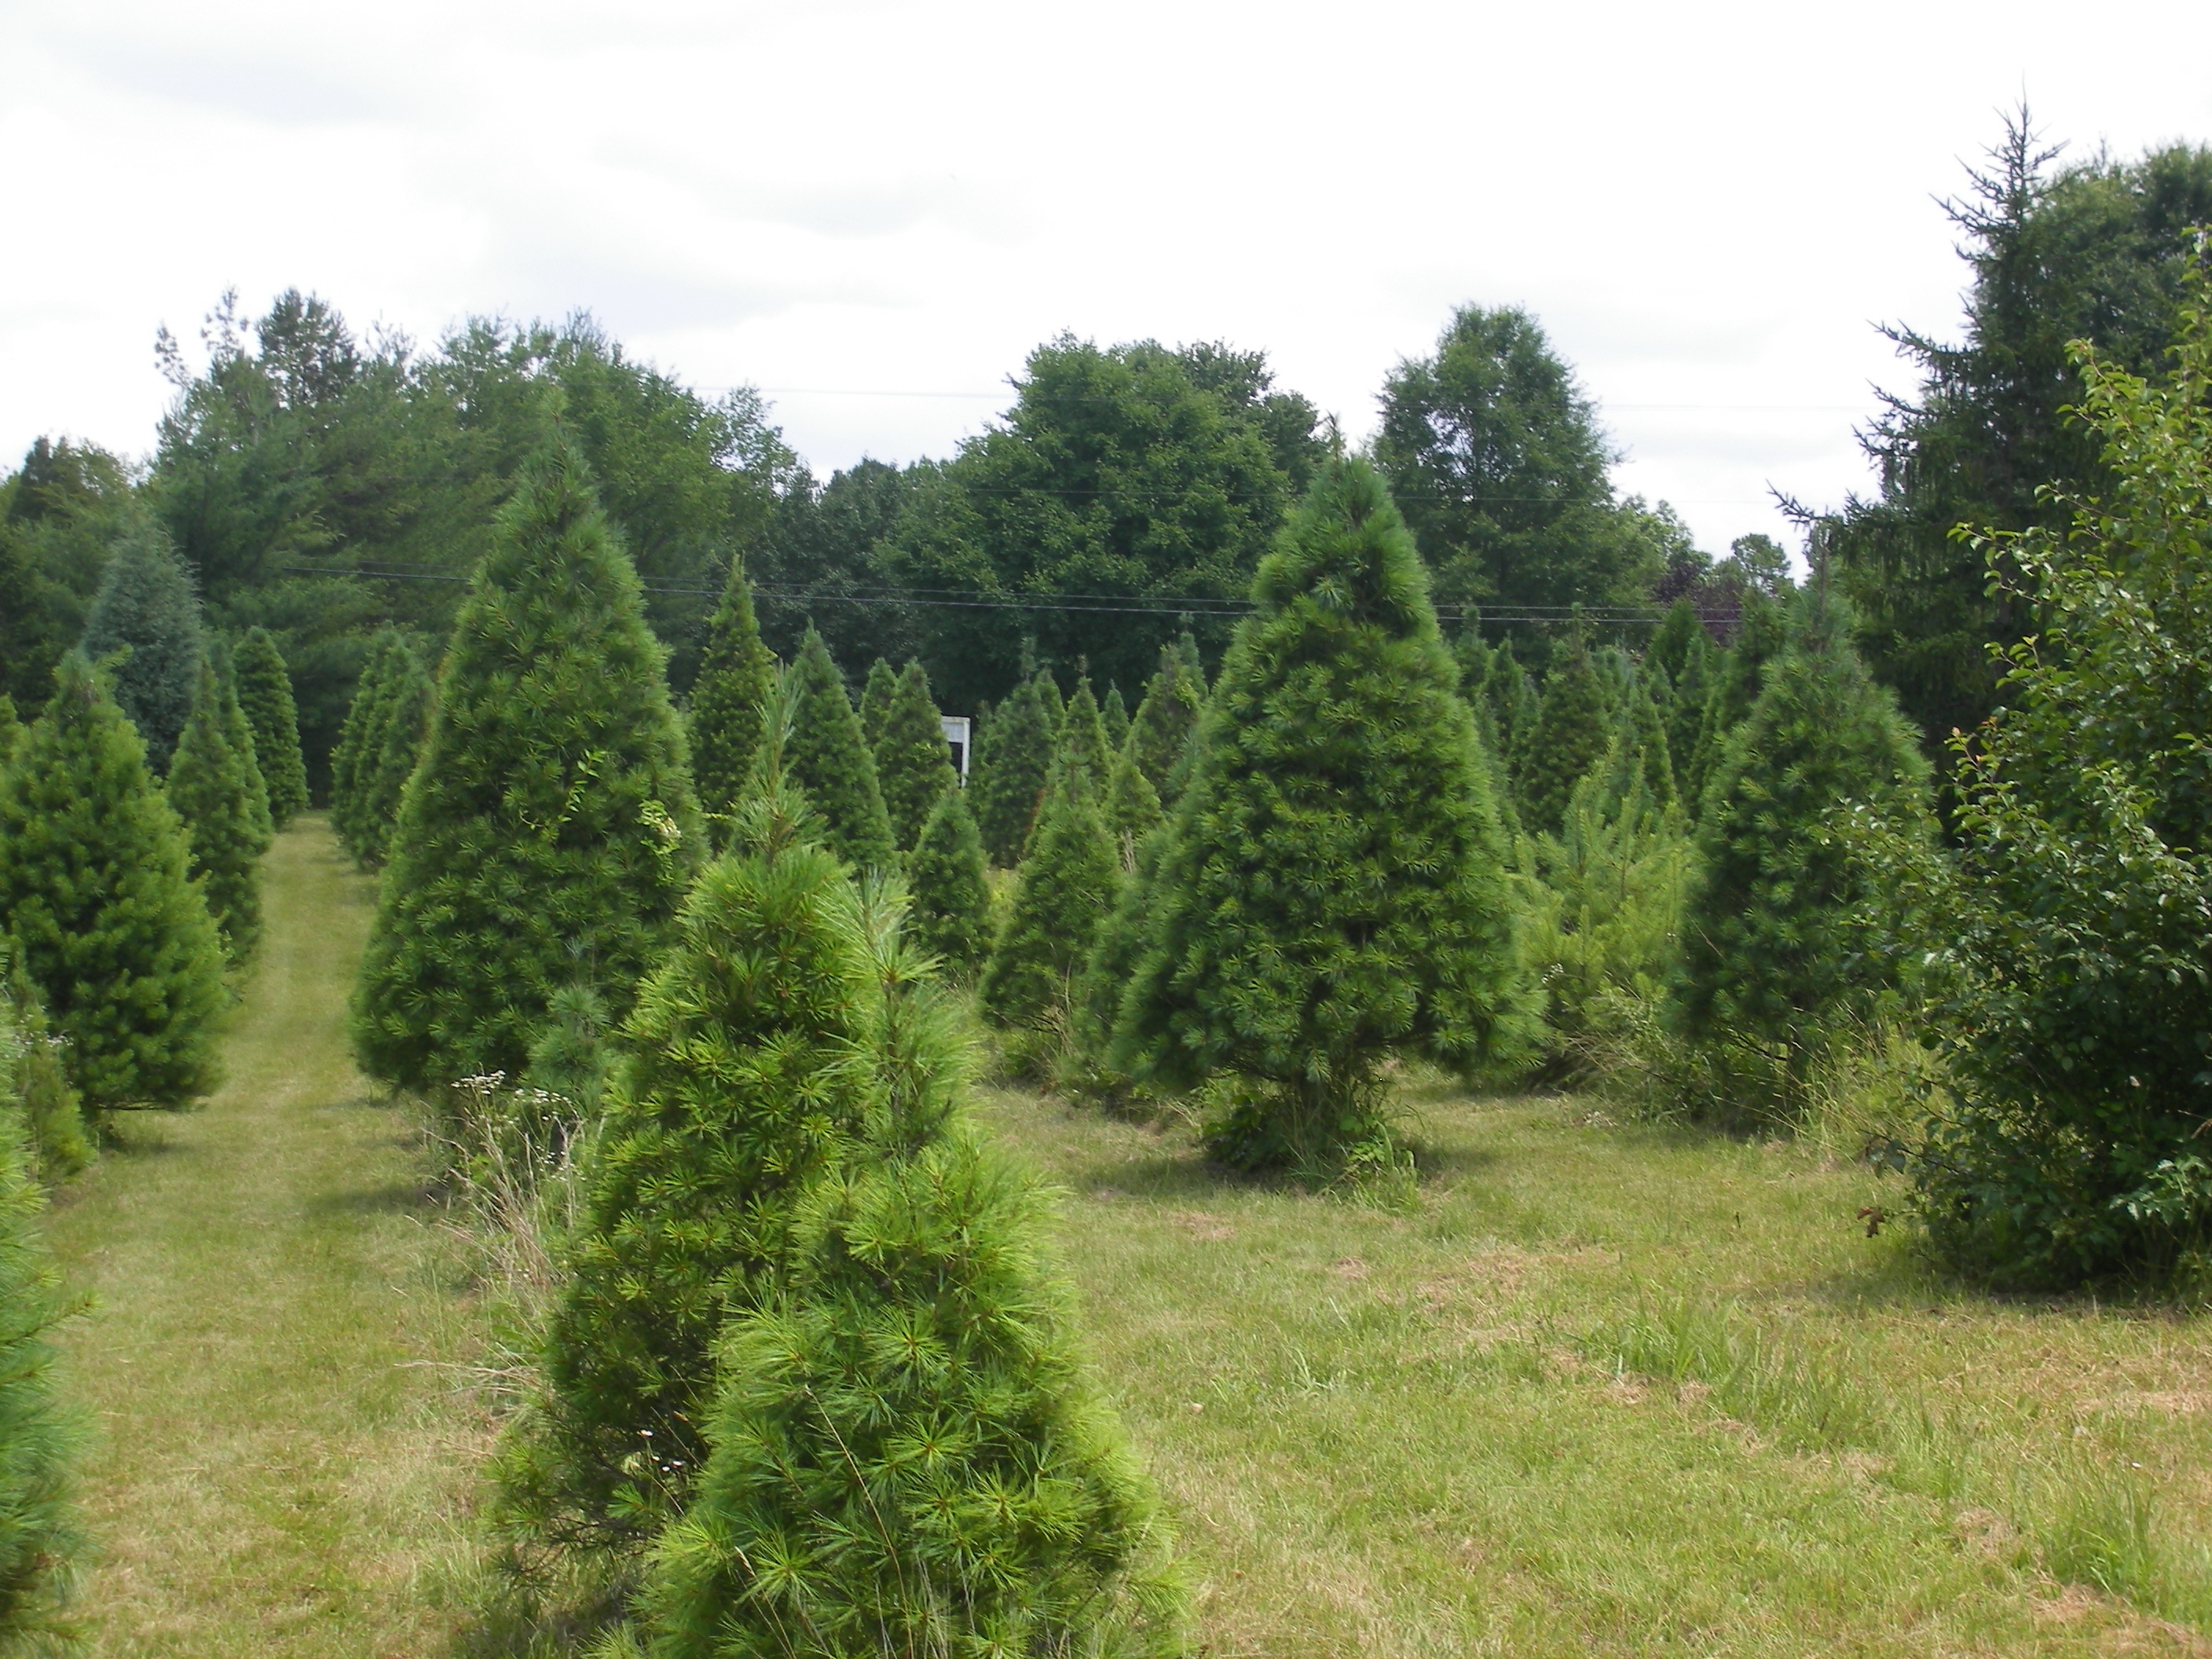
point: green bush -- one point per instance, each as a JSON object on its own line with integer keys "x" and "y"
{"x": 549, "y": 822}
{"x": 209, "y": 789}
{"x": 95, "y": 890}
{"x": 1335, "y": 889}
{"x": 264, "y": 691}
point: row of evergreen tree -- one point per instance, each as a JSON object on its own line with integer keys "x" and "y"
{"x": 134, "y": 810}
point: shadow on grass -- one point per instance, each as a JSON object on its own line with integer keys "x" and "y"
{"x": 397, "y": 1198}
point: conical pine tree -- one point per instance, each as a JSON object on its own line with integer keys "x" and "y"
{"x": 829, "y": 761}
{"x": 909, "y": 1454}
{"x": 1773, "y": 947}
{"x": 1687, "y": 694}
{"x": 94, "y": 885}
{"x": 209, "y": 787}
{"x": 550, "y": 818}
{"x": 149, "y": 609}
{"x": 1082, "y": 740}
{"x": 1762, "y": 633}
{"x": 1116, "y": 714}
{"x": 746, "y": 1079}
{"x": 403, "y": 720}
{"x": 365, "y": 825}
{"x": 238, "y": 732}
{"x": 1680, "y": 637}
{"x": 1164, "y": 721}
{"x": 913, "y": 763}
{"x": 1573, "y": 728}
{"x": 264, "y": 691}
{"x": 951, "y": 900}
{"x": 1132, "y": 808}
{"x": 876, "y": 702}
{"x": 1513, "y": 708}
{"x": 729, "y": 700}
{"x": 1335, "y": 892}
{"x": 1068, "y": 885}
{"x": 1021, "y": 748}
{"x": 362, "y": 726}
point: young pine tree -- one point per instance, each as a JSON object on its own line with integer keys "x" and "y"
{"x": 550, "y": 819}
{"x": 745, "y": 1078}
{"x": 402, "y": 720}
{"x": 913, "y": 763}
{"x": 32, "y": 1075}
{"x": 238, "y": 732}
{"x": 1762, "y": 631}
{"x": 96, "y": 888}
{"x": 1132, "y": 808}
{"x": 1335, "y": 892}
{"x": 729, "y": 701}
{"x": 1006, "y": 796}
{"x": 38, "y": 1434}
{"x": 1082, "y": 738}
{"x": 1116, "y": 714}
{"x": 951, "y": 904}
{"x": 876, "y": 700}
{"x": 910, "y": 1455}
{"x": 829, "y": 761}
{"x": 362, "y": 730}
{"x": 1161, "y": 730}
{"x": 1775, "y": 945}
{"x": 149, "y": 610}
{"x": 1572, "y": 729}
{"x": 211, "y": 793}
{"x": 1068, "y": 883}
{"x": 264, "y": 691}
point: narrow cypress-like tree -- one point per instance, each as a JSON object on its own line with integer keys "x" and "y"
{"x": 951, "y": 902}
{"x": 913, "y": 763}
{"x": 1774, "y": 946}
{"x": 208, "y": 788}
{"x": 745, "y": 1077}
{"x": 149, "y": 609}
{"x": 910, "y": 1455}
{"x": 95, "y": 888}
{"x": 1336, "y": 891}
{"x": 829, "y": 760}
{"x": 729, "y": 700}
{"x": 1068, "y": 885}
{"x": 550, "y": 820}
{"x": 238, "y": 732}
{"x": 876, "y": 700}
{"x": 1164, "y": 721}
{"x": 402, "y": 721}
{"x": 264, "y": 691}
{"x": 38, "y": 1435}
{"x": 360, "y": 730}
{"x": 1007, "y": 795}
{"x": 1573, "y": 728}
{"x": 1116, "y": 714}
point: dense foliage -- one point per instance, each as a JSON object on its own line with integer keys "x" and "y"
{"x": 913, "y": 763}
{"x": 210, "y": 790}
{"x": 549, "y": 821}
{"x": 829, "y": 760}
{"x": 951, "y": 916}
{"x": 1013, "y": 760}
{"x": 94, "y": 888}
{"x": 265, "y": 692}
{"x": 145, "y": 631}
{"x": 729, "y": 700}
{"x": 1336, "y": 891}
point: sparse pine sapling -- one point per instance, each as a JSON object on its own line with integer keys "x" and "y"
{"x": 209, "y": 787}
{"x": 1334, "y": 890}
{"x": 550, "y": 819}
{"x": 264, "y": 691}
{"x": 96, "y": 890}
{"x": 913, "y": 763}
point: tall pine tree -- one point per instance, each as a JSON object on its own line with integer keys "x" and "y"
{"x": 210, "y": 791}
{"x": 1161, "y": 729}
{"x": 951, "y": 900}
{"x": 829, "y": 761}
{"x": 552, "y": 818}
{"x": 238, "y": 732}
{"x": 149, "y": 609}
{"x": 1336, "y": 889}
{"x": 730, "y": 699}
{"x": 876, "y": 700}
{"x": 264, "y": 691}
{"x": 96, "y": 888}
{"x": 1573, "y": 726}
{"x": 1021, "y": 748}
{"x": 913, "y": 763}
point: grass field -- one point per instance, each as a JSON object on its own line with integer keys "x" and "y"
{"x": 1586, "y": 1388}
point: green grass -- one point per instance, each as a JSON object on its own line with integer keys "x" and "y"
{"x": 1582, "y": 1388}
{"x": 275, "y": 1469}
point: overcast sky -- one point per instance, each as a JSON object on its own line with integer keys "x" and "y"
{"x": 874, "y": 210}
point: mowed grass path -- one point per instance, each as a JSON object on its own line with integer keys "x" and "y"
{"x": 275, "y": 1470}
